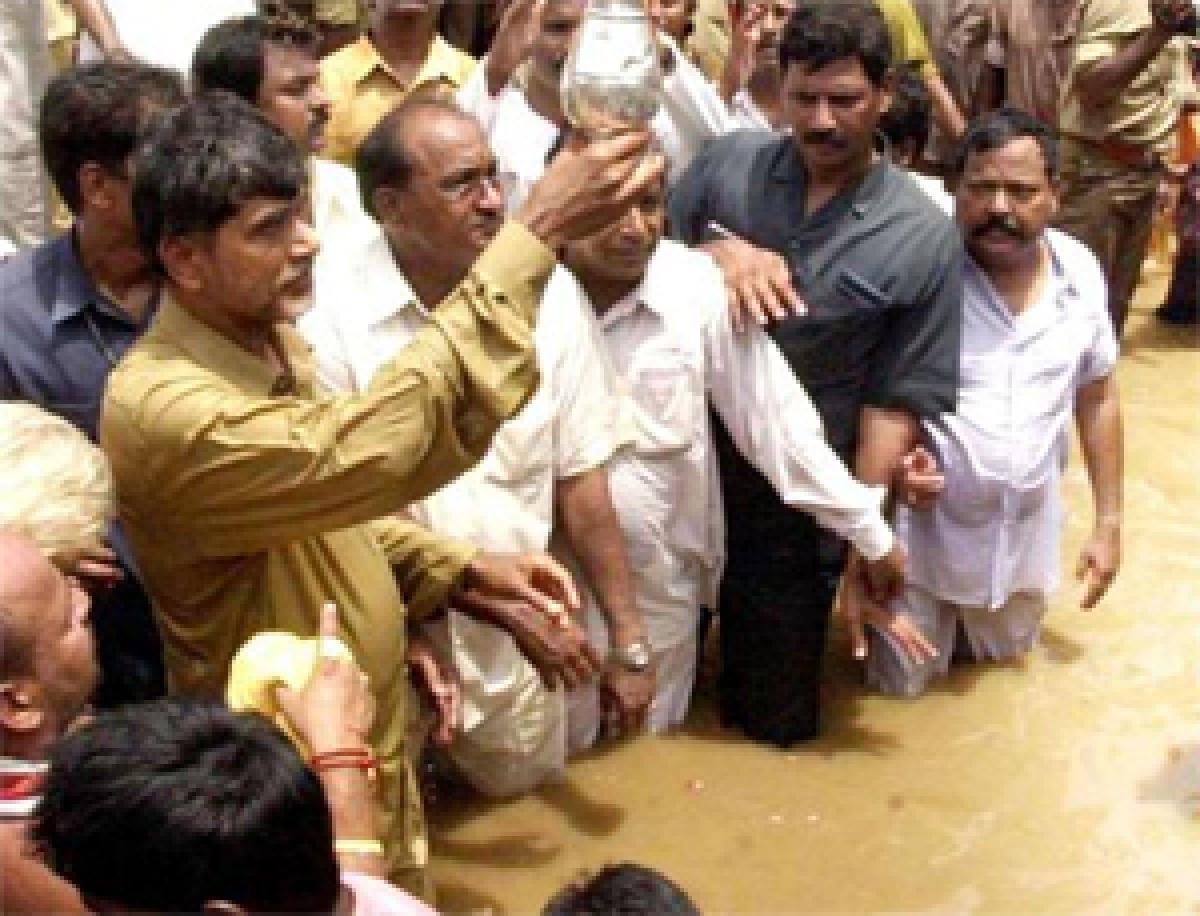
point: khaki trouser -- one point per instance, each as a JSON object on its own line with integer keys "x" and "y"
{"x": 1110, "y": 208}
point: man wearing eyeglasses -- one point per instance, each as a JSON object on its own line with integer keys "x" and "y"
{"x": 428, "y": 176}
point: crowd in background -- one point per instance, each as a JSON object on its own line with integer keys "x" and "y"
{"x": 363, "y": 422}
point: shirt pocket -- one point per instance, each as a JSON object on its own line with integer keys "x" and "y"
{"x": 666, "y": 405}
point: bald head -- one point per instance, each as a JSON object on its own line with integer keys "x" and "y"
{"x": 48, "y": 667}
{"x": 28, "y": 582}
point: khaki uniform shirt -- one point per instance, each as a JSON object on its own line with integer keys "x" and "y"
{"x": 1146, "y": 112}
{"x": 362, "y": 89}
{"x": 708, "y": 45}
{"x": 1031, "y": 40}
{"x": 251, "y": 498}
{"x": 908, "y": 38}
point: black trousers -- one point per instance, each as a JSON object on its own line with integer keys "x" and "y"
{"x": 781, "y": 576}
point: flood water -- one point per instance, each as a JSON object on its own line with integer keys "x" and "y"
{"x": 1069, "y": 783}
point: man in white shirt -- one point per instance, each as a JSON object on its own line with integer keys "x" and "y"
{"x": 430, "y": 179}
{"x": 1037, "y": 348}
{"x": 664, "y": 314}
{"x": 524, "y": 119}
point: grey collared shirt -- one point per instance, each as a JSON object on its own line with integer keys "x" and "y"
{"x": 880, "y": 267}
{"x": 59, "y": 335}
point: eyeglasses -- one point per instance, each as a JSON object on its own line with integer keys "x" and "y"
{"x": 473, "y": 187}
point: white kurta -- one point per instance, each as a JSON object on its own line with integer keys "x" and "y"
{"x": 674, "y": 348}
{"x": 994, "y": 530}
{"x": 514, "y": 731}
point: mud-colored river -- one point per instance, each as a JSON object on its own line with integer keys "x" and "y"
{"x": 1068, "y": 784}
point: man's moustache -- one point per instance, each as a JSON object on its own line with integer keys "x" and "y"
{"x": 823, "y": 138}
{"x": 1008, "y": 227}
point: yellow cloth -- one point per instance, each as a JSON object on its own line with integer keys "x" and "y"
{"x": 249, "y": 498}
{"x": 270, "y": 660}
{"x": 362, "y": 89}
{"x": 338, "y": 12}
{"x": 708, "y": 45}
{"x": 1146, "y": 112}
{"x": 908, "y": 38}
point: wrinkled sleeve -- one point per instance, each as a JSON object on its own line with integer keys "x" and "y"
{"x": 243, "y": 474}
{"x": 774, "y": 424}
{"x": 427, "y": 566}
{"x": 916, "y": 366}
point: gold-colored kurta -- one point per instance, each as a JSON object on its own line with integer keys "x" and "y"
{"x": 250, "y": 498}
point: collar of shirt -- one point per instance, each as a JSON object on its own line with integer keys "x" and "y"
{"x": 245, "y": 371}
{"x": 657, "y": 289}
{"x": 788, "y": 168}
{"x": 1061, "y": 290}
{"x": 362, "y": 59}
{"x": 75, "y": 290}
{"x": 391, "y": 293}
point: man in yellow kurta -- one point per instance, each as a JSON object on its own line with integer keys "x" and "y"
{"x": 400, "y": 53}
{"x": 251, "y": 498}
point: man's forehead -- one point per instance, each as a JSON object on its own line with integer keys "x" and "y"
{"x": 844, "y": 71}
{"x": 1019, "y": 156}
{"x": 445, "y": 141}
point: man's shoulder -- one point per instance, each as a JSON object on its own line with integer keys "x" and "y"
{"x": 912, "y": 213}
{"x": 686, "y": 285}
{"x": 28, "y": 282}
{"x": 1076, "y": 260}
{"x": 744, "y": 144}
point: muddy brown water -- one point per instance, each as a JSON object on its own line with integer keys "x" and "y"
{"x": 1069, "y": 783}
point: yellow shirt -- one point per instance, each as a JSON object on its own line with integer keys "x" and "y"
{"x": 362, "y": 89}
{"x": 251, "y": 499}
{"x": 1146, "y": 112}
{"x": 908, "y": 38}
{"x": 338, "y": 12}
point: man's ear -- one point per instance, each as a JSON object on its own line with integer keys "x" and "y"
{"x": 20, "y": 709}
{"x": 184, "y": 257}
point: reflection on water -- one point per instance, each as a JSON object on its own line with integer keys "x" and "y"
{"x": 1068, "y": 783}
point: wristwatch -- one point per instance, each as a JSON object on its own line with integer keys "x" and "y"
{"x": 634, "y": 657}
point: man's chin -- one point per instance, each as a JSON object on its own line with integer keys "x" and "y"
{"x": 290, "y": 308}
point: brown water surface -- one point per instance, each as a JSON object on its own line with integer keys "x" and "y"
{"x": 1069, "y": 783}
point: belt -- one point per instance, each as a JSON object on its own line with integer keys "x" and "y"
{"x": 1127, "y": 154}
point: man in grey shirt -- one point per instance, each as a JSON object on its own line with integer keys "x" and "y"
{"x": 879, "y": 267}
{"x": 70, "y": 308}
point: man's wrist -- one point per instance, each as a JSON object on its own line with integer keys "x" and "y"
{"x": 1109, "y": 521}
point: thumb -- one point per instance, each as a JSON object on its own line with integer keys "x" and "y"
{"x": 1081, "y": 567}
{"x": 327, "y": 634}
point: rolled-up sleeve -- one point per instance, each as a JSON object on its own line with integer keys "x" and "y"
{"x": 916, "y": 365}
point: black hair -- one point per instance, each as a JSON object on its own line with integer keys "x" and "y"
{"x": 202, "y": 162}
{"x": 821, "y": 32}
{"x": 384, "y": 159}
{"x": 999, "y": 128}
{"x": 628, "y": 889}
{"x": 165, "y": 806}
{"x": 98, "y": 113}
{"x": 910, "y": 116}
{"x": 232, "y": 54}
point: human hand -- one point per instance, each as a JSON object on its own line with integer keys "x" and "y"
{"x": 335, "y": 709}
{"x": 515, "y": 32}
{"x": 96, "y": 568}
{"x": 589, "y": 185}
{"x": 532, "y": 597}
{"x": 1098, "y": 562}
{"x": 758, "y": 282}
{"x": 746, "y": 22}
{"x": 884, "y": 578}
{"x": 440, "y": 685}
{"x": 919, "y": 481}
{"x": 860, "y": 610}
{"x": 625, "y": 697}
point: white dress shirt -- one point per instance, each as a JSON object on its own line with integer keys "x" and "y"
{"x": 690, "y": 115}
{"x": 994, "y": 530}
{"x": 166, "y": 32}
{"x": 675, "y": 350}
{"x": 514, "y": 730}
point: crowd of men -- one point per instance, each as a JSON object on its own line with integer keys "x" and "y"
{"x": 320, "y": 321}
